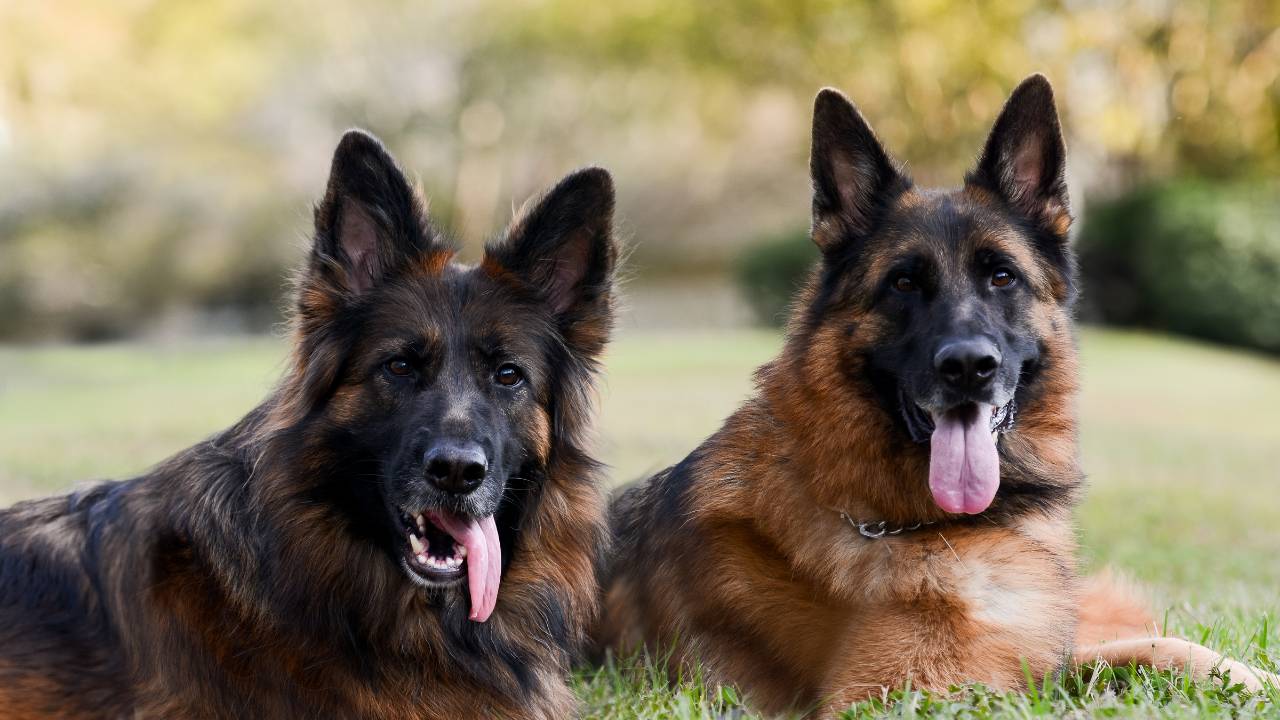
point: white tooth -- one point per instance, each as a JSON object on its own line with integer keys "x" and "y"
{"x": 459, "y": 550}
{"x": 416, "y": 544}
{"x": 422, "y": 558}
{"x": 422, "y": 522}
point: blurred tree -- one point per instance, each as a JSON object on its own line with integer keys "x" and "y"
{"x": 158, "y": 157}
{"x": 1191, "y": 257}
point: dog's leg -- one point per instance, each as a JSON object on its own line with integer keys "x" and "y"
{"x": 984, "y": 605}
{"x": 1116, "y": 627}
{"x": 933, "y": 648}
{"x": 1163, "y": 653}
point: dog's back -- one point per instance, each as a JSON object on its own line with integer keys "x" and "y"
{"x": 96, "y": 588}
{"x": 60, "y": 654}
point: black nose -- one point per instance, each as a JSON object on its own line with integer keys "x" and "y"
{"x": 968, "y": 364}
{"x": 456, "y": 467}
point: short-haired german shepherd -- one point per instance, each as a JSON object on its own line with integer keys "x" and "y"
{"x": 895, "y": 500}
{"x": 407, "y": 527}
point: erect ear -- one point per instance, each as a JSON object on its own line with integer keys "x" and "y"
{"x": 561, "y": 247}
{"x": 1024, "y": 161}
{"x": 370, "y": 221}
{"x": 853, "y": 177}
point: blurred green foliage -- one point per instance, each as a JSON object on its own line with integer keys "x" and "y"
{"x": 1192, "y": 257}
{"x": 158, "y": 159}
{"x": 769, "y": 273}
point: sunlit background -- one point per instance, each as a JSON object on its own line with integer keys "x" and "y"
{"x": 158, "y": 161}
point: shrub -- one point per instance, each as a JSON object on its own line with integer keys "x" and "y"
{"x": 1190, "y": 257}
{"x": 770, "y": 272}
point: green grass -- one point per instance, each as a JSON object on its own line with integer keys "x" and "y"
{"x": 1182, "y": 443}
{"x": 639, "y": 690}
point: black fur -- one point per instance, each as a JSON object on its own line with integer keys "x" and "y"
{"x": 258, "y": 573}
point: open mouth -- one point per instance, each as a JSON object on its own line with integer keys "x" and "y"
{"x": 431, "y": 553}
{"x": 442, "y": 548}
{"x": 964, "y": 462}
{"x": 920, "y": 422}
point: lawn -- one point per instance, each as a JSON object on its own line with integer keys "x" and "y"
{"x": 1182, "y": 443}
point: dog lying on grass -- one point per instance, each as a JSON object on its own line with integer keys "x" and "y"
{"x": 895, "y": 502}
{"x": 407, "y": 527}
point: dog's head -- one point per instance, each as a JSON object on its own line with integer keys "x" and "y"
{"x": 433, "y": 393}
{"x": 950, "y": 302}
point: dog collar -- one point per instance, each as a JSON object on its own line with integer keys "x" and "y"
{"x": 877, "y": 530}
{"x": 920, "y": 425}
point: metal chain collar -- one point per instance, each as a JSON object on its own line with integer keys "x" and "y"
{"x": 877, "y": 530}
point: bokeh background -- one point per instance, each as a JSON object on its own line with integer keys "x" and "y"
{"x": 158, "y": 161}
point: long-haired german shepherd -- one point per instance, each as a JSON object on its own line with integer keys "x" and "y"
{"x": 895, "y": 501}
{"x": 407, "y": 527}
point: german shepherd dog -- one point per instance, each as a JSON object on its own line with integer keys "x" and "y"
{"x": 895, "y": 500}
{"x": 409, "y": 526}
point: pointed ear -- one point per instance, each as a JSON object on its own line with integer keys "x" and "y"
{"x": 561, "y": 247}
{"x": 1024, "y": 161}
{"x": 370, "y": 221}
{"x": 853, "y": 177}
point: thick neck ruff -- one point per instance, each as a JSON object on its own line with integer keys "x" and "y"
{"x": 920, "y": 426}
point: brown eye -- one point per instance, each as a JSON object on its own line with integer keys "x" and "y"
{"x": 399, "y": 367}
{"x": 1002, "y": 278}
{"x": 508, "y": 375}
{"x": 904, "y": 283}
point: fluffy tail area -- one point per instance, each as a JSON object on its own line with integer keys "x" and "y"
{"x": 1116, "y": 627}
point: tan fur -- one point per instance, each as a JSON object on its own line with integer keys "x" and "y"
{"x": 434, "y": 263}
{"x": 744, "y": 565}
{"x": 1116, "y": 628}
{"x": 770, "y": 589}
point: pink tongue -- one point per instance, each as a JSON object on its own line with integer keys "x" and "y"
{"x": 964, "y": 467}
{"x": 484, "y": 558}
